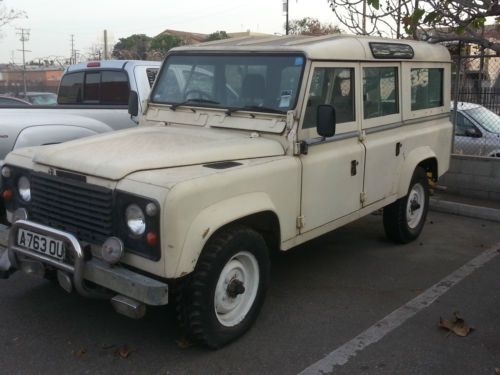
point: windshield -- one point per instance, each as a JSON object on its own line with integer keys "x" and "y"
{"x": 265, "y": 83}
{"x": 43, "y": 99}
{"x": 489, "y": 120}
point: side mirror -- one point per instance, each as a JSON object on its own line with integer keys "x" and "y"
{"x": 327, "y": 121}
{"x": 133, "y": 103}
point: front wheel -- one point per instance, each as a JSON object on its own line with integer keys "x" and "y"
{"x": 404, "y": 219}
{"x": 223, "y": 296}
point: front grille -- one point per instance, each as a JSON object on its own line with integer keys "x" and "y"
{"x": 79, "y": 208}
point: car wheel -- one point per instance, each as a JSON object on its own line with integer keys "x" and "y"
{"x": 223, "y": 296}
{"x": 405, "y": 218}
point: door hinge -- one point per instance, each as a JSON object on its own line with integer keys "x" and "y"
{"x": 300, "y": 148}
{"x": 300, "y": 222}
{"x": 362, "y": 136}
{"x": 362, "y": 197}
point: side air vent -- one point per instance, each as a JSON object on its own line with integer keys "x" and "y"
{"x": 222, "y": 165}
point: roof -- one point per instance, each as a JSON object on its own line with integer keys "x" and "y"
{"x": 186, "y": 36}
{"x": 111, "y": 64}
{"x": 327, "y": 47}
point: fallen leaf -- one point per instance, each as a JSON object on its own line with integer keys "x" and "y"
{"x": 184, "y": 343}
{"x": 124, "y": 352}
{"x": 80, "y": 353}
{"x": 457, "y": 325}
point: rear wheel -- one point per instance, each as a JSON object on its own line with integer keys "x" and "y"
{"x": 223, "y": 296}
{"x": 405, "y": 218}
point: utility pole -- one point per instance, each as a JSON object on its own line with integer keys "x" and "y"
{"x": 24, "y": 35}
{"x": 72, "y": 59}
{"x": 285, "y": 10}
{"x": 105, "y": 45}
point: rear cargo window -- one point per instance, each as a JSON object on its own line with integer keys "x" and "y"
{"x": 426, "y": 88}
{"x": 105, "y": 87}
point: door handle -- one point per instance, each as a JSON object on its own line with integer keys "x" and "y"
{"x": 354, "y": 167}
{"x": 398, "y": 148}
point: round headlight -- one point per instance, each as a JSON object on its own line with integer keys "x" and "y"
{"x": 136, "y": 221}
{"x": 24, "y": 188}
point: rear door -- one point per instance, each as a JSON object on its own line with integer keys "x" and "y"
{"x": 381, "y": 122}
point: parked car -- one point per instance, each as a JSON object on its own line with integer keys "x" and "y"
{"x": 10, "y": 101}
{"x": 264, "y": 144}
{"x": 477, "y": 131}
{"x": 39, "y": 98}
{"x": 93, "y": 98}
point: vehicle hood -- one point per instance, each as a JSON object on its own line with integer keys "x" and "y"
{"x": 115, "y": 155}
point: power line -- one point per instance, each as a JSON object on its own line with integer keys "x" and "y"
{"x": 24, "y": 35}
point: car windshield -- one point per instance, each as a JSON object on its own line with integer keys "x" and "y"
{"x": 44, "y": 99}
{"x": 262, "y": 83}
{"x": 489, "y": 120}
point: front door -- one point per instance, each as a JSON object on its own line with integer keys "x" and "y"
{"x": 332, "y": 169}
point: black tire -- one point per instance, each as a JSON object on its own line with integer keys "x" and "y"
{"x": 396, "y": 217}
{"x": 195, "y": 297}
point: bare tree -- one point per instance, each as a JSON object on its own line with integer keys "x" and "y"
{"x": 311, "y": 26}
{"x": 8, "y": 15}
{"x": 429, "y": 20}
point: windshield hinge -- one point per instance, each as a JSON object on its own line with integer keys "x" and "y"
{"x": 362, "y": 136}
{"x": 300, "y": 222}
{"x": 362, "y": 197}
{"x": 300, "y": 148}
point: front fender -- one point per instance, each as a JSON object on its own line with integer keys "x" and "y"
{"x": 213, "y": 218}
{"x": 50, "y": 134}
{"x": 410, "y": 163}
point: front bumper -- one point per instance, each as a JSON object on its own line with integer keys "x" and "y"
{"x": 117, "y": 279}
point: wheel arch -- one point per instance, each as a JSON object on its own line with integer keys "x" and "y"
{"x": 254, "y": 210}
{"x": 421, "y": 157}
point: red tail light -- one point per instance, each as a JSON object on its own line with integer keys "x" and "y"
{"x": 95, "y": 64}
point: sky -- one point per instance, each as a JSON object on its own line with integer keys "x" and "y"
{"x": 51, "y": 23}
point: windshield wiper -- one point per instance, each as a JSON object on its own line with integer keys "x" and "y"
{"x": 173, "y": 107}
{"x": 253, "y": 108}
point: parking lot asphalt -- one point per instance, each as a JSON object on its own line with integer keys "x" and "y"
{"x": 322, "y": 295}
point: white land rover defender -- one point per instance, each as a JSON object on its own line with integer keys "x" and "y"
{"x": 246, "y": 146}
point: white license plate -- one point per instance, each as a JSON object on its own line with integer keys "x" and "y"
{"x": 40, "y": 243}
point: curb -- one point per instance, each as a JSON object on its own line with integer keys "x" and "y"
{"x": 462, "y": 209}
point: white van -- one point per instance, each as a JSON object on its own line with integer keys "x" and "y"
{"x": 261, "y": 144}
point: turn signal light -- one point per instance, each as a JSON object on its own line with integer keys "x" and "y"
{"x": 152, "y": 239}
{"x": 7, "y": 195}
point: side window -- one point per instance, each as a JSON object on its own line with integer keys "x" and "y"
{"x": 380, "y": 92}
{"x": 333, "y": 86}
{"x": 71, "y": 89}
{"x": 114, "y": 88}
{"x": 465, "y": 127}
{"x": 426, "y": 88}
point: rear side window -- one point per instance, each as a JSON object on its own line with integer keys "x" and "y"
{"x": 96, "y": 87}
{"x": 426, "y": 88}
{"x": 380, "y": 91}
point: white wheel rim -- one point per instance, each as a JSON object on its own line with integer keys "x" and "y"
{"x": 229, "y": 309}
{"x": 415, "y": 205}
